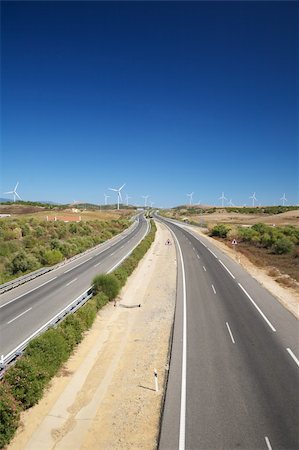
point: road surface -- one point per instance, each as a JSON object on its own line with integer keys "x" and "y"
{"x": 234, "y": 372}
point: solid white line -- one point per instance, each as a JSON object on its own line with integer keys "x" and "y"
{"x": 231, "y": 334}
{"x": 227, "y": 269}
{"x": 12, "y": 320}
{"x": 28, "y": 292}
{"x": 259, "y": 310}
{"x": 268, "y": 443}
{"x": 97, "y": 264}
{"x": 83, "y": 262}
{"x": 293, "y": 356}
{"x": 75, "y": 279}
{"x": 213, "y": 253}
{"x": 213, "y": 289}
{"x": 184, "y": 357}
{"x": 204, "y": 268}
{"x": 203, "y": 244}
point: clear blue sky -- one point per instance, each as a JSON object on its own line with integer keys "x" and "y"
{"x": 168, "y": 97}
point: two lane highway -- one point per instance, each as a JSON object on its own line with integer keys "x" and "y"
{"x": 233, "y": 381}
{"x": 26, "y": 308}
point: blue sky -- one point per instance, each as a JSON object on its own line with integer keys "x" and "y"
{"x": 167, "y": 97}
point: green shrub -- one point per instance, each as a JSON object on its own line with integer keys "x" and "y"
{"x": 51, "y": 257}
{"x": 283, "y": 245}
{"x": 220, "y": 231}
{"x": 9, "y": 414}
{"x": 27, "y": 381}
{"x": 23, "y": 263}
{"x": 107, "y": 284}
{"x": 87, "y": 314}
{"x": 101, "y": 300}
{"x": 75, "y": 324}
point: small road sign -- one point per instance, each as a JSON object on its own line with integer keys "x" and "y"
{"x": 234, "y": 242}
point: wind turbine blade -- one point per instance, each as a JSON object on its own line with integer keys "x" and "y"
{"x": 16, "y": 186}
{"x": 111, "y": 189}
{"x": 18, "y": 195}
{"x": 10, "y": 192}
{"x": 122, "y": 186}
{"x": 120, "y": 197}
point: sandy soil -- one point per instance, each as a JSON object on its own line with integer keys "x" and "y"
{"x": 288, "y": 297}
{"x": 104, "y": 397}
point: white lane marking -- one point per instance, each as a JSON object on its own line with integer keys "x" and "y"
{"x": 75, "y": 279}
{"x": 203, "y": 244}
{"x": 111, "y": 254}
{"x": 83, "y": 262}
{"x": 184, "y": 356}
{"x": 226, "y": 269}
{"x": 28, "y": 292}
{"x": 127, "y": 254}
{"x": 259, "y": 310}
{"x": 293, "y": 356}
{"x": 204, "y": 268}
{"x": 15, "y": 318}
{"x": 230, "y": 333}
{"x": 213, "y": 289}
{"x": 122, "y": 246}
{"x": 97, "y": 264}
{"x": 213, "y": 253}
{"x": 268, "y": 443}
{"x": 198, "y": 256}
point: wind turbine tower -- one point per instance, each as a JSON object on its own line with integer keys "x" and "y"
{"x": 14, "y": 192}
{"x": 222, "y": 198}
{"x": 254, "y": 199}
{"x": 190, "y": 197}
{"x": 127, "y": 199}
{"x": 145, "y": 199}
{"x": 106, "y": 196}
{"x": 284, "y": 199}
{"x": 119, "y": 197}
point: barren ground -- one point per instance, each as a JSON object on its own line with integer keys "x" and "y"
{"x": 104, "y": 397}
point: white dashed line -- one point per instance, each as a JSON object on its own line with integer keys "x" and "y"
{"x": 213, "y": 289}
{"x": 28, "y": 292}
{"x": 213, "y": 253}
{"x": 293, "y": 356}
{"x": 24, "y": 312}
{"x": 268, "y": 443}
{"x": 230, "y": 333}
{"x": 122, "y": 246}
{"x": 70, "y": 282}
{"x": 259, "y": 310}
{"x": 226, "y": 269}
{"x": 111, "y": 254}
{"x": 204, "y": 268}
{"x": 198, "y": 256}
{"x": 97, "y": 264}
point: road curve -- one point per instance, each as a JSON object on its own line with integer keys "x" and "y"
{"x": 26, "y": 308}
{"x": 234, "y": 372}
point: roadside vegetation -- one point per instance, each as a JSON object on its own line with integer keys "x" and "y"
{"x": 24, "y": 383}
{"x": 265, "y": 246}
{"x": 27, "y": 244}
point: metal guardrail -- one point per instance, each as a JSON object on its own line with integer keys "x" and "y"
{"x": 5, "y": 360}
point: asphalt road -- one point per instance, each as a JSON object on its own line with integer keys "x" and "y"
{"x": 234, "y": 371}
{"x": 26, "y": 308}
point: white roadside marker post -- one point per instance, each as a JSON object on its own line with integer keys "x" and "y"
{"x": 2, "y": 361}
{"x": 156, "y": 380}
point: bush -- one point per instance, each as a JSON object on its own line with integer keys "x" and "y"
{"x": 27, "y": 381}
{"x": 107, "y": 284}
{"x": 283, "y": 245}
{"x": 23, "y": 263}
{"x": 9, "y": 415}
{"x": 220, "y": 231}
{"x": 51, "y": 257}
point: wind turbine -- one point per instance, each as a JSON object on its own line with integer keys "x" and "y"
{"x": 253, "y": 197}
{"x": 190, "y": 197}
{"x": 127, "y": 199}
{"x": 14, "y": 192}
{"x": 106, "y": 196}
{"x": 152, "y": 203}
{"x": 284, "y": 199}
{"x": 222, "y": 198}
{"x": 230, "y": 203}
{"x": 119, "y": 198}
{"x": 145, "y": 199}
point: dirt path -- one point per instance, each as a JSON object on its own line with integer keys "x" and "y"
{"x": 104, "y": 397}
